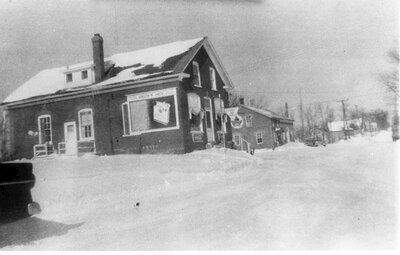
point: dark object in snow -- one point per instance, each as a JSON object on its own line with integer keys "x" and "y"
{"x": 16, "y": 182}
{"x": 137, "y": 204}
{"x": 314, "y": 142}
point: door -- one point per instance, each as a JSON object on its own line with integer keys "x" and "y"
{"x": 209, "y": 119}
{"x": 71, "y": 144}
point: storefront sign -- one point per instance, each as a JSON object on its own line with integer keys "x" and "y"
{"x": 152, "y": 94}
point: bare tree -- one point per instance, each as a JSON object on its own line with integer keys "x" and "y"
{"x": 390, "y": 79}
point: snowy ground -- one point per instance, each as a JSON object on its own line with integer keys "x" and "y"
{"x": 342, "y": 196}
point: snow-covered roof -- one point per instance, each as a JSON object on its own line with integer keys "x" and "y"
{"x": 267, "y": 113}
{"x": 136, "y": 65}
{"x": 340, "y": 124}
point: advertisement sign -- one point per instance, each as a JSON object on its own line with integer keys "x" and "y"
{"x": 232, "y": 112}
{"x": 236, "y": 119}
{"x": 161, "y": 112}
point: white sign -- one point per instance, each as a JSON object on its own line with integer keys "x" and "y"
{"x": 232, "y": 112}
{"x": 161, "y": 112}
{"x": 152, "y": 94}
{"x": 236, "y": 120}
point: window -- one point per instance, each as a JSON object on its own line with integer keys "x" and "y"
{"x": 220, "y": 116}
{"x": 259, "y": 137}
{"x": 151, "y": 111}
{"x": 86, "y": 124}
{"x": 84, "y": 75}
{"x": 196, "y": 74}
{"x": 236, "y": 139}
{"x": 249, "y": 121}
{"x": 195, "y": 112}
{"x": 125, "y": 118}
{"x": 45, "y": 129}
{"x": 212, "y": 79}
{"x": 69, "y": 77}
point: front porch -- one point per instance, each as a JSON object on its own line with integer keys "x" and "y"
{"x": 62, "y": 148}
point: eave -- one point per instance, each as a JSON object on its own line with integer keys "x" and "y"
{"x": 98, "y": 90}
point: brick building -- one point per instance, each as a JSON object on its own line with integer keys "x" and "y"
{"x": 165, "y": 99}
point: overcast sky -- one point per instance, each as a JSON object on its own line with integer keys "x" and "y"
{"x": 332, "y": 49}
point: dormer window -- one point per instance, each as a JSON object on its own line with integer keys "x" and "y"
{"x": 196, "y": 74}
{"x": 84, "y": 75}
{"x": 69, "y": 77}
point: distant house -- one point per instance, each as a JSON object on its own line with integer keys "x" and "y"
{"x": 339, "y": 130}
{"x": 164, "y": 99}
{"x": 259, "y": 128}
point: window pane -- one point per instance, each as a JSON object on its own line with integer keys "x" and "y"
{"x": 69, "y": 77}
{"x": 125, "y": 118}
{"x": 84, "y": 75}
{"x": 152, "y": 113}
{"x": 45, "y": 129}
{"x": 208, "y": 119}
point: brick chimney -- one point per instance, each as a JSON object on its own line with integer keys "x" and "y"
{"x": 98, "y": 57}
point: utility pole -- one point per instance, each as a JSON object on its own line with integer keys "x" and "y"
{"x": 357, "y": 111}
{"x": 344, "y": 117}
{"x": 301, "y": 115}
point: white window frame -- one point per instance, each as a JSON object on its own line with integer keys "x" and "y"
{"x": 234, "y": 140}
{"x": 126, "y": 132}
{"x": 261, "y": 137}
{"x": 40, "y": 130}
{"x": 81, "y": 138}
{"x": 196, "y": 65}
{"x": 151, "y": 95}
{"x": 249, "y": 123}
{"x": 211, "y": 117}
{"x": 213, "y": 80}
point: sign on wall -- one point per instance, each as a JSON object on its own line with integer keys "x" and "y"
{"x": 197, "y": 137}
{"x": 161, "y": 112}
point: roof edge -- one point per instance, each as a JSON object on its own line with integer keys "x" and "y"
{"x": 273, "y": 117}
{"x": 215, "y": 60}
{"x": 89, "y": 90}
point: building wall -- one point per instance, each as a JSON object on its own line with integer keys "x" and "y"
{"x": 108, "y": 118}
{"x": 109, "y": 126}
{"x": 287, "y": 126}
{"x": 260, "y": 123}
{"x": 25, "y": 119}
{"x": 205, "y": 91}
{"x": 107, "y": 122}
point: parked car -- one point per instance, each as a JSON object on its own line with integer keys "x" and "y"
{"x": 16, "y": 182}
{"x": 314, "y": 141}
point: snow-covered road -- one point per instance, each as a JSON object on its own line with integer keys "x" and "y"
{"x": 342, "y": 196}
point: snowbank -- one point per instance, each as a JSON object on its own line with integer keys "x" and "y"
{"x": 342, "y": 196}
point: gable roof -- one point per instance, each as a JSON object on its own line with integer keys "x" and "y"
{"x": 267, "y": 113}
{"x": 129, "y": 67}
